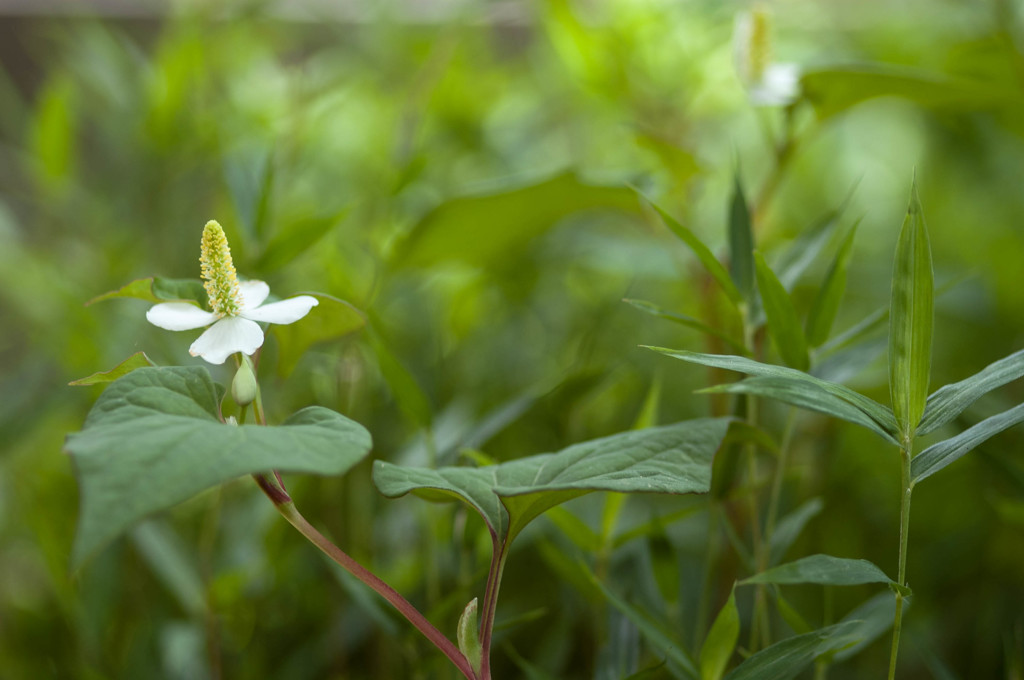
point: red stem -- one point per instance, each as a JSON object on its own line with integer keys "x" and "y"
{"x": 286, "y": 507}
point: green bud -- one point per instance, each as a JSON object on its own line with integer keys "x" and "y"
{"x": 244, "y": 387}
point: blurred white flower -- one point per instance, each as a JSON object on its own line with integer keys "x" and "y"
{"x": 237, "y": 306}
{"x": 767, "y": 83}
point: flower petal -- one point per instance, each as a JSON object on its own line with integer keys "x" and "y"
{"x": 253, "y": 293}
{"x": 285, "y": 311}
{"x": 179, "y": 316}
{"x": 229, "y": 335}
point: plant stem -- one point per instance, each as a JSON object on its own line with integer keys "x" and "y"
{"x": 906, "y": 487}
{"x": 491, "y": 608}
{"x": 285, "y": 505}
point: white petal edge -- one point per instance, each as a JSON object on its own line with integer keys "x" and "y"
{"x": 227, "y": 336}
{"x": 285, "y": 311}
{"x": 179, "y": 316}
{"x": 253, "y": 293}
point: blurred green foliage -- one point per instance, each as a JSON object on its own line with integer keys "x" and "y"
{"x": 465, "y": 182}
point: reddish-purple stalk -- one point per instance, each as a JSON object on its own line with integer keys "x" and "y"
{"x": 283, "y": 503}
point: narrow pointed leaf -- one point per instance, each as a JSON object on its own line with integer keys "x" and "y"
{"x": 910, "y": 320}
{"x": 467, "y": 635}
{"x": 823, "y": 570}
{"x": 684, "y": 320}
{"x": 826, "y": 303}
{"x": 741, "y": 243}
{"x": 949, "y": 401}
{"x": 721, "y": 641}
{"x": 791, "y": 526}
{"x": 938, "y": 456}
{"x": 137, "y": 360}
{"x": 807, "y": 248}
{"x": 670, "y": 459}
{"x": 703, "y": 253}
{"x": 786, "y": 659}
{"x": 157, "y": 289}
{"x": 873, "y": 618}
{"x": 783, "y": 322}
{"x": 881, "y": 415}
{"x": 154, "y": 439}
{"x": 805, "y": 395}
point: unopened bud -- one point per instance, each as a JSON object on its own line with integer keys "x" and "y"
{"x": 244, "y": 387}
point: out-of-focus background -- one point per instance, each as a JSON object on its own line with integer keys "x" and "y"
{"x": 463, "y": 173}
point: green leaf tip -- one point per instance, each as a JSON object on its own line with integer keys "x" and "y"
{"x": 911, "y": 320}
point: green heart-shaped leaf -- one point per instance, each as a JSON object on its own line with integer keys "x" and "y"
{"x": 670, "y": 459}
{"x": 154, "y": 439}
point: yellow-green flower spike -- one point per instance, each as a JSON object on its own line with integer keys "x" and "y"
{"x": 760, "y": 47}
{"x": 219, "y": 276}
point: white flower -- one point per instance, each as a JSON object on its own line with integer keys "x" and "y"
{"x": 768, "y": 83}
{"x": 237, "y": 306}
{"x": 230, "y": 334}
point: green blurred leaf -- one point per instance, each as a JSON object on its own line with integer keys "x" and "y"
{"x": 137, "y": 360}
{"x": 703, "y": 253}
{"x": 872, "y": 618}
{"x": 834, "y": 90}
{"x": 171, "y": 563}
{"x": 938, "y": 456}
{"x": 786, "y": 659}
{"x": 487, "y": 229}
{"x": 330, "y": 320}
{"x": 154, "y": 439}
{"x": 721, "y": 640}
{"x": 670, "y": 459}
{"x": 911, "y": 319}
{"x": 790, "y": 527}
{"x": 741, "y": 243}
{"x": 783, "y": 323}
{"x": 158, "y": 289}
{"x": 655, "y": 634}
{"x": 412, "y": 401}
{"x": 685, "y": 320}
{"x": 949, "y": 401}
{"x": 296, "y": 238}
{"x": 882, "y": 417}
{"x": 54, "y": 143}
{"x": 826, "y": 302}
{"x": 823, "y": 570}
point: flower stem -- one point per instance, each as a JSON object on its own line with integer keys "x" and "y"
{"x": 490, "y": 608}
{"x": 283, "y": 503}
{"x": 907, "y": 487}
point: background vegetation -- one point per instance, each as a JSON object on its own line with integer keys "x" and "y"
{"x": 461, "y": 175}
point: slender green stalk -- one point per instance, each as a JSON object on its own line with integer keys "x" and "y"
{"x": 704, "y": 604}
{"x": 287, "y": 508}
{"x": 907, "y": 487}
{"x": 490, "y": 609}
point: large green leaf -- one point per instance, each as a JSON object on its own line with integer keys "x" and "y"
{"x": 670, "y": 459}
{"x": 880, "y": 415}
{"x": 491, "y": 228}
{"x": 703, "y": 253}
{"x": 826, "y": 302}
{"x": 823, "y": 570}
{"x": 835, "y": 90}
{"x": 786, "y": 659}
{"x": 154, "y": 439}
{"x": 741, "y": 243}
{"x": 938, "y": 456}
{"x": 949, "y": 401}
{"x": 911, "y": 320}
{"x": 783, "y": 322}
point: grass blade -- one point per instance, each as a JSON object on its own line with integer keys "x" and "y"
{"x": 951, "y": 400}
{"x": 741, "y": 243}
{"x": 685, "y": 320}
{"x": 783, "y": 322}
{"x": 826, "y": 304}
{"x": 938, "y": 456}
